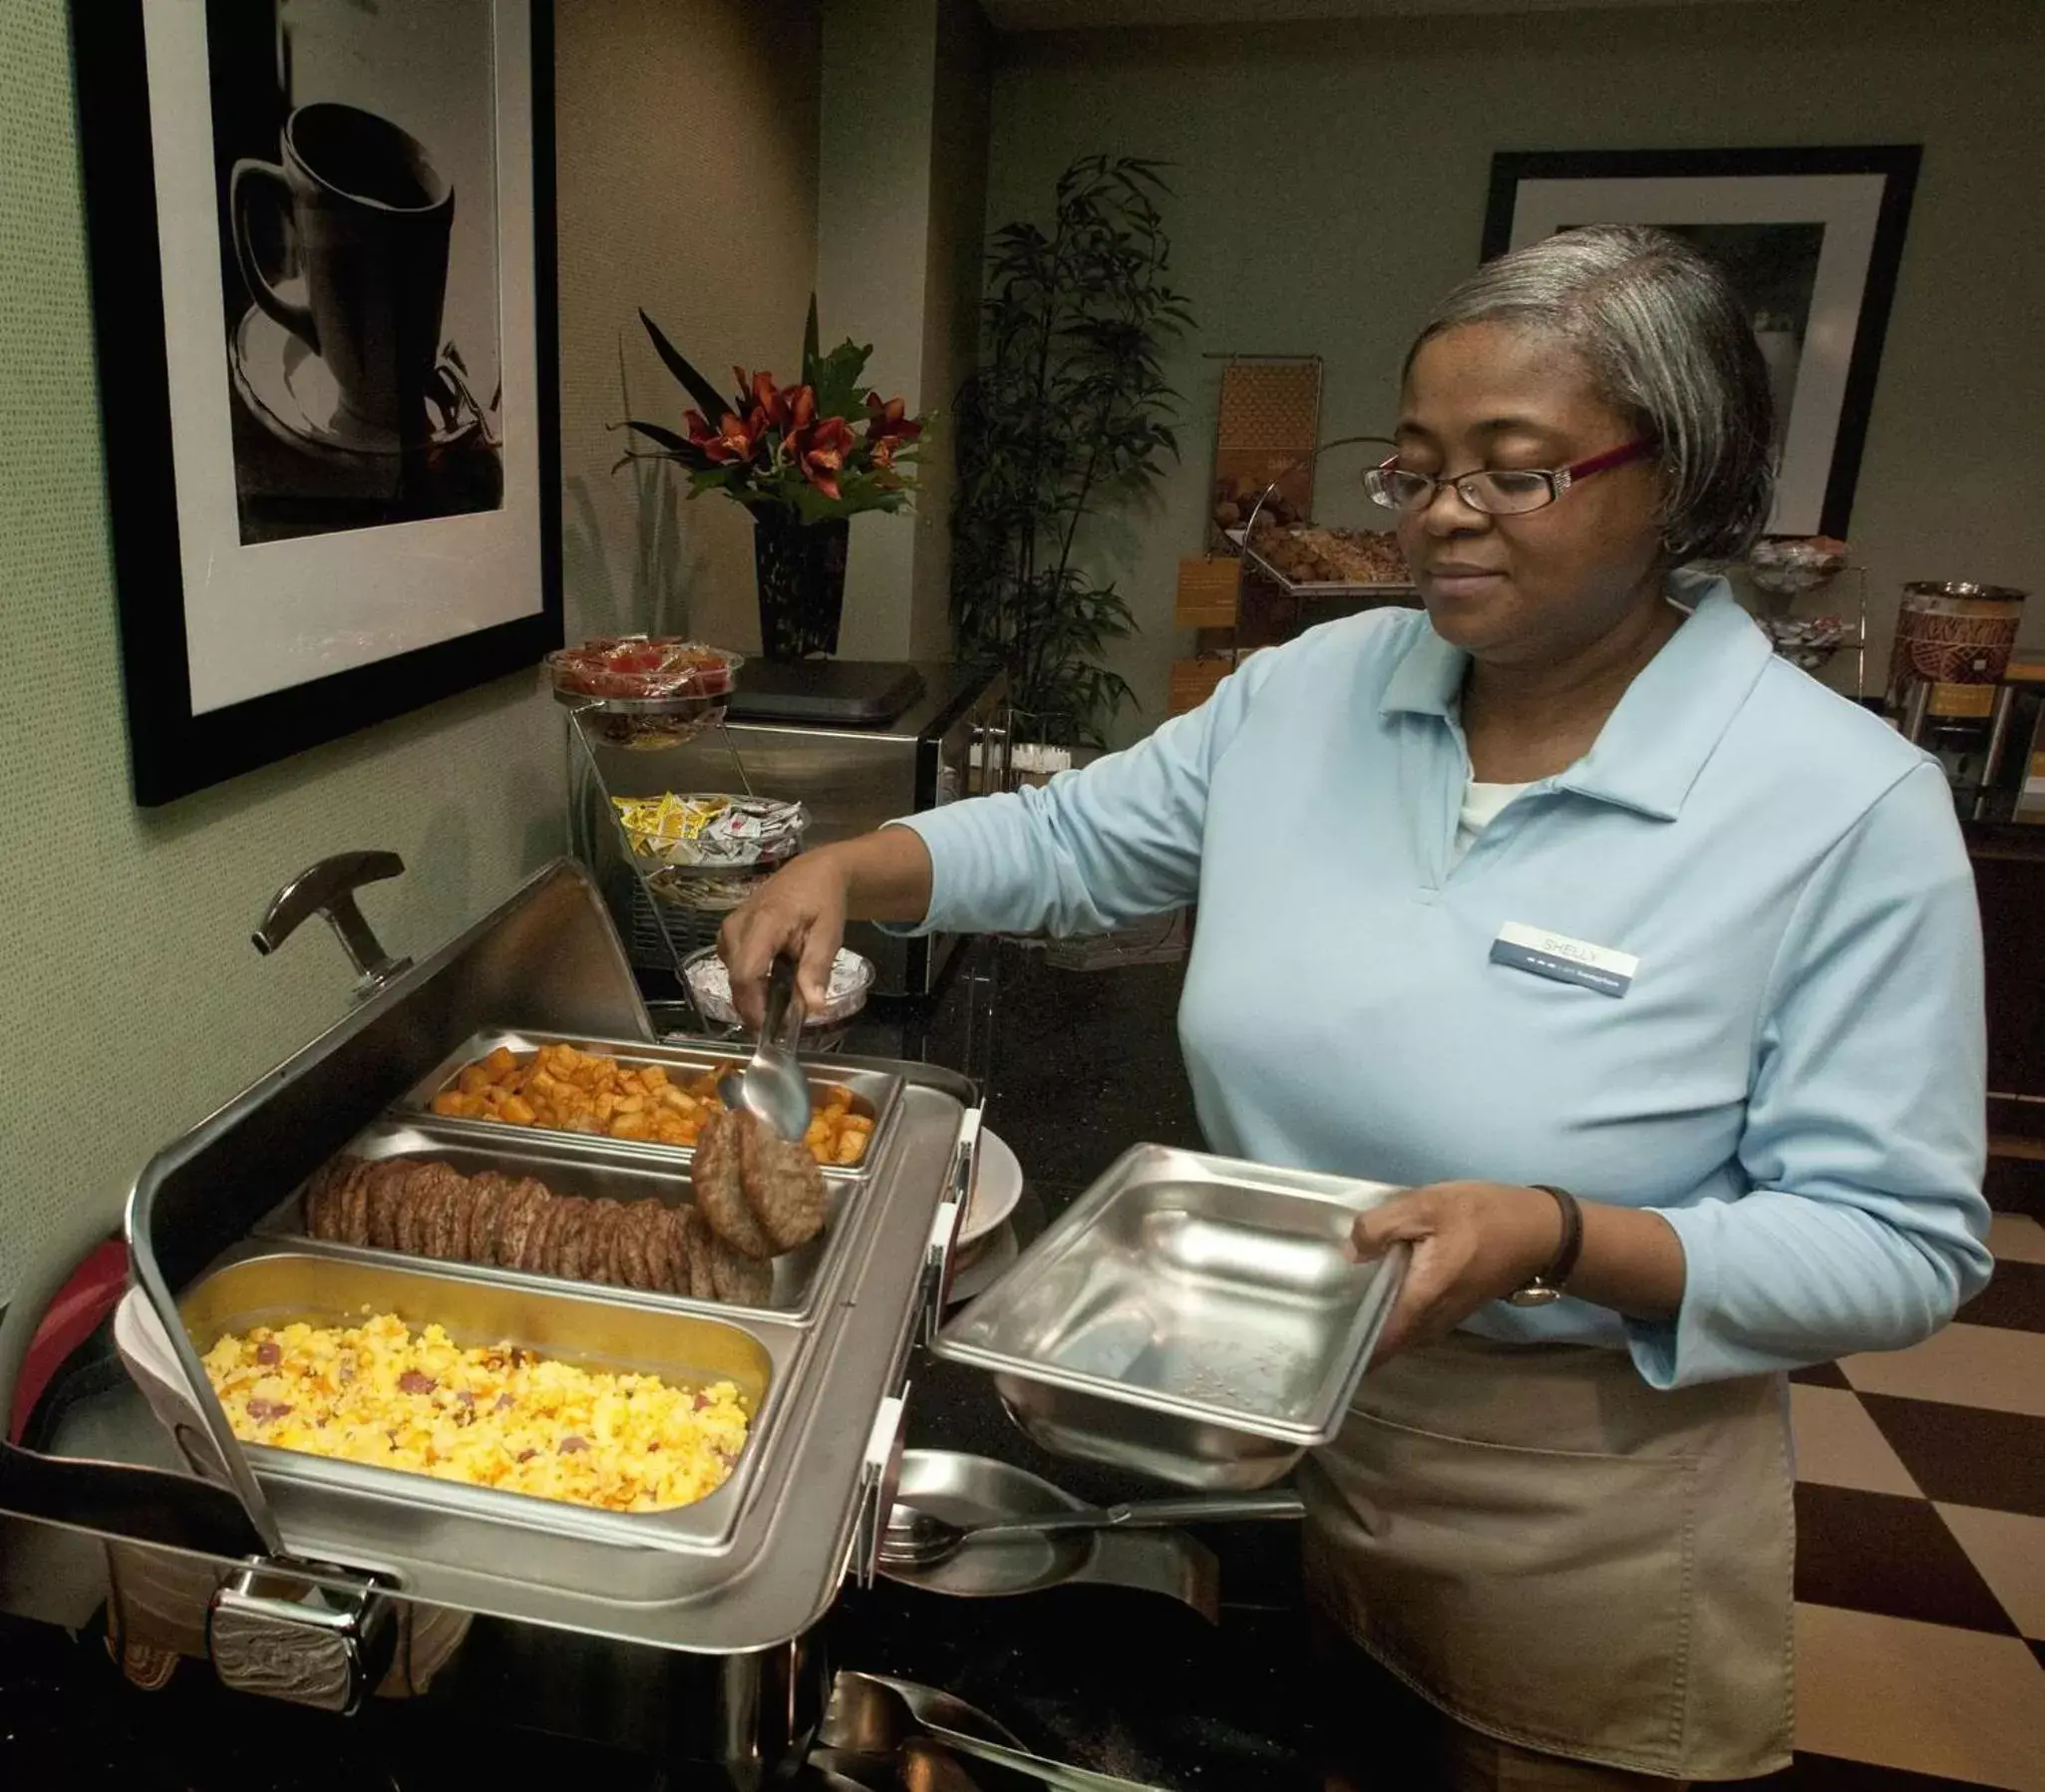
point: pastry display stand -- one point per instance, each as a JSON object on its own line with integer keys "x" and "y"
{"x": 1236, "y": 600}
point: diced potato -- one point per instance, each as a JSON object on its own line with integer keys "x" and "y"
{"x": 587, "y": 1092}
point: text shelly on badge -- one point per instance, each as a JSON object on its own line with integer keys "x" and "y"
{"x": 1566, "y": 960}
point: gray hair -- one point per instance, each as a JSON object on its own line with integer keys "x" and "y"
{"x": 1670, "y": 347}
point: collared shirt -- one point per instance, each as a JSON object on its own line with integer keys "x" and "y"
{"x": 1792, "y": 1077}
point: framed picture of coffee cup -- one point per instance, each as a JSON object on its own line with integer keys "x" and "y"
{"x": 1811, "y": 241}
{"x": 323, "y": 285}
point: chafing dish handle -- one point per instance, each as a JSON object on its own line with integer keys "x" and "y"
{"x": 944, "y": 1228}
{"x": 880, "y": 1478}
{"x": 328, "y": 889}
{"x": 326, "y": 1643}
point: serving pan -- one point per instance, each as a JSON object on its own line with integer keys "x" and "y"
{"x": 572, "y": 1164}
{"x": 328, "y": 1286}
{"x": 1189, "y": 1317}
{"x": 875, "y": 1093}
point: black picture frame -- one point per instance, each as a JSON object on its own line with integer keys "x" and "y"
{"x": 173, "y": 752}
{"x": 1719, "y": 175}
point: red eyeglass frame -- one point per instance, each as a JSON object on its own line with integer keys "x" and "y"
{"x": 1560, "y": 478}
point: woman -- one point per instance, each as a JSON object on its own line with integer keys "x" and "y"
{"x": 1649, "y": 965}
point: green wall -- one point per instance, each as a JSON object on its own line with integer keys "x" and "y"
{"x": 1330, "y": 181}
{"x": 131, "y": 1000}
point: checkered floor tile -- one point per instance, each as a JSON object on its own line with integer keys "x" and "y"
{"x": 1920, "y": 1552}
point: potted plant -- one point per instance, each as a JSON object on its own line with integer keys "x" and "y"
{"x": 1067, "y": 414}
{"x": 804, "y": 460}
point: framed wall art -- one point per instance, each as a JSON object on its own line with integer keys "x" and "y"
{"x": 323, "y": 286}
{"x": 1811, "y": 238}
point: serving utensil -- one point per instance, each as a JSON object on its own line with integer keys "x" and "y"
{"x": 773, "y": 1085}
{"x": 875, "y": 1715}
{"x": 919, "y": 1539}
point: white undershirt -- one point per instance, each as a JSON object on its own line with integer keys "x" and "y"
{"x": 1482, "y": 805}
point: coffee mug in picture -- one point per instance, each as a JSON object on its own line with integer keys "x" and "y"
{"x": 370, "y": 214}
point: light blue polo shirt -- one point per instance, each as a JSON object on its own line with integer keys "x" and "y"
{"x": 1793, "y": 1076}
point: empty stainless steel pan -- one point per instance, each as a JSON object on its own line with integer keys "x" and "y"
{"x": 1192, "y": 1317}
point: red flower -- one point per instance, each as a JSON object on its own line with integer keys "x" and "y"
{"x": 887, "y": 428}
{"x": 886, "y": 422}
{"x": 766, "y": 406}
{"x": 730, "y": 441}
{"x": 820, "y": 453}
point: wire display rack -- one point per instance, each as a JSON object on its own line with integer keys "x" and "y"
{"x": 1824, "y": 644}
{"x": 655, "y": 918}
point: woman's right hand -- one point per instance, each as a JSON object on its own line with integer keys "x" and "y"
{"x": 799, "y": 911}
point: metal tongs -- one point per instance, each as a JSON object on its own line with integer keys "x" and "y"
{"x": 876, "y": 1719}
{"x": 773, "y": 1085}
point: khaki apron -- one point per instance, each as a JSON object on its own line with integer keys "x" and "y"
{"x": 1556, "y": 1554}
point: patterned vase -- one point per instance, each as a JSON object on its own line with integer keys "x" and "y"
{"x": 801, "y": 572}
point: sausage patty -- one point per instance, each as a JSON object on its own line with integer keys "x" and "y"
{"x": 783, "y": 1185}
{"x": 746, "y": 1280}
{"x": 720, "y": 1187}
{"x": 385, "y": 1184}
{"x": 516, "y": 1224}
{"x": 691, "y": 1245}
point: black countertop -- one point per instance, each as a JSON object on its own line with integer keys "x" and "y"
{"x": 1079, "y": 1065}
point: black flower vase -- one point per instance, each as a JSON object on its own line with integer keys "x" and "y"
{"x": 801, "y": 569}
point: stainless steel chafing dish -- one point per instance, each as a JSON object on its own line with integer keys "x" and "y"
{"x": 309, "y": 1555}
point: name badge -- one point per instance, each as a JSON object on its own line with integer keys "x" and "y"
{"x": 1564, "y": 959}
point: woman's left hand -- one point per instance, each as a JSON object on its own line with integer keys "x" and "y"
{"x": 1473, "y": 1243}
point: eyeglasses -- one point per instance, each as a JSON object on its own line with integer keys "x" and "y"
{"x": 1496, "y": 490}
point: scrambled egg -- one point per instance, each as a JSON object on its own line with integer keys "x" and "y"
{"x": 496, "y": 1417}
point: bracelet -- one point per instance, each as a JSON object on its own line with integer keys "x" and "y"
{"x": 1548, "y": 1285}
{"x": 1564, "y": 1265}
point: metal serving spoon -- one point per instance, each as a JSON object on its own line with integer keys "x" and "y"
{"x": 773, "y": 1085}
{"x": 919, "y": 1539}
